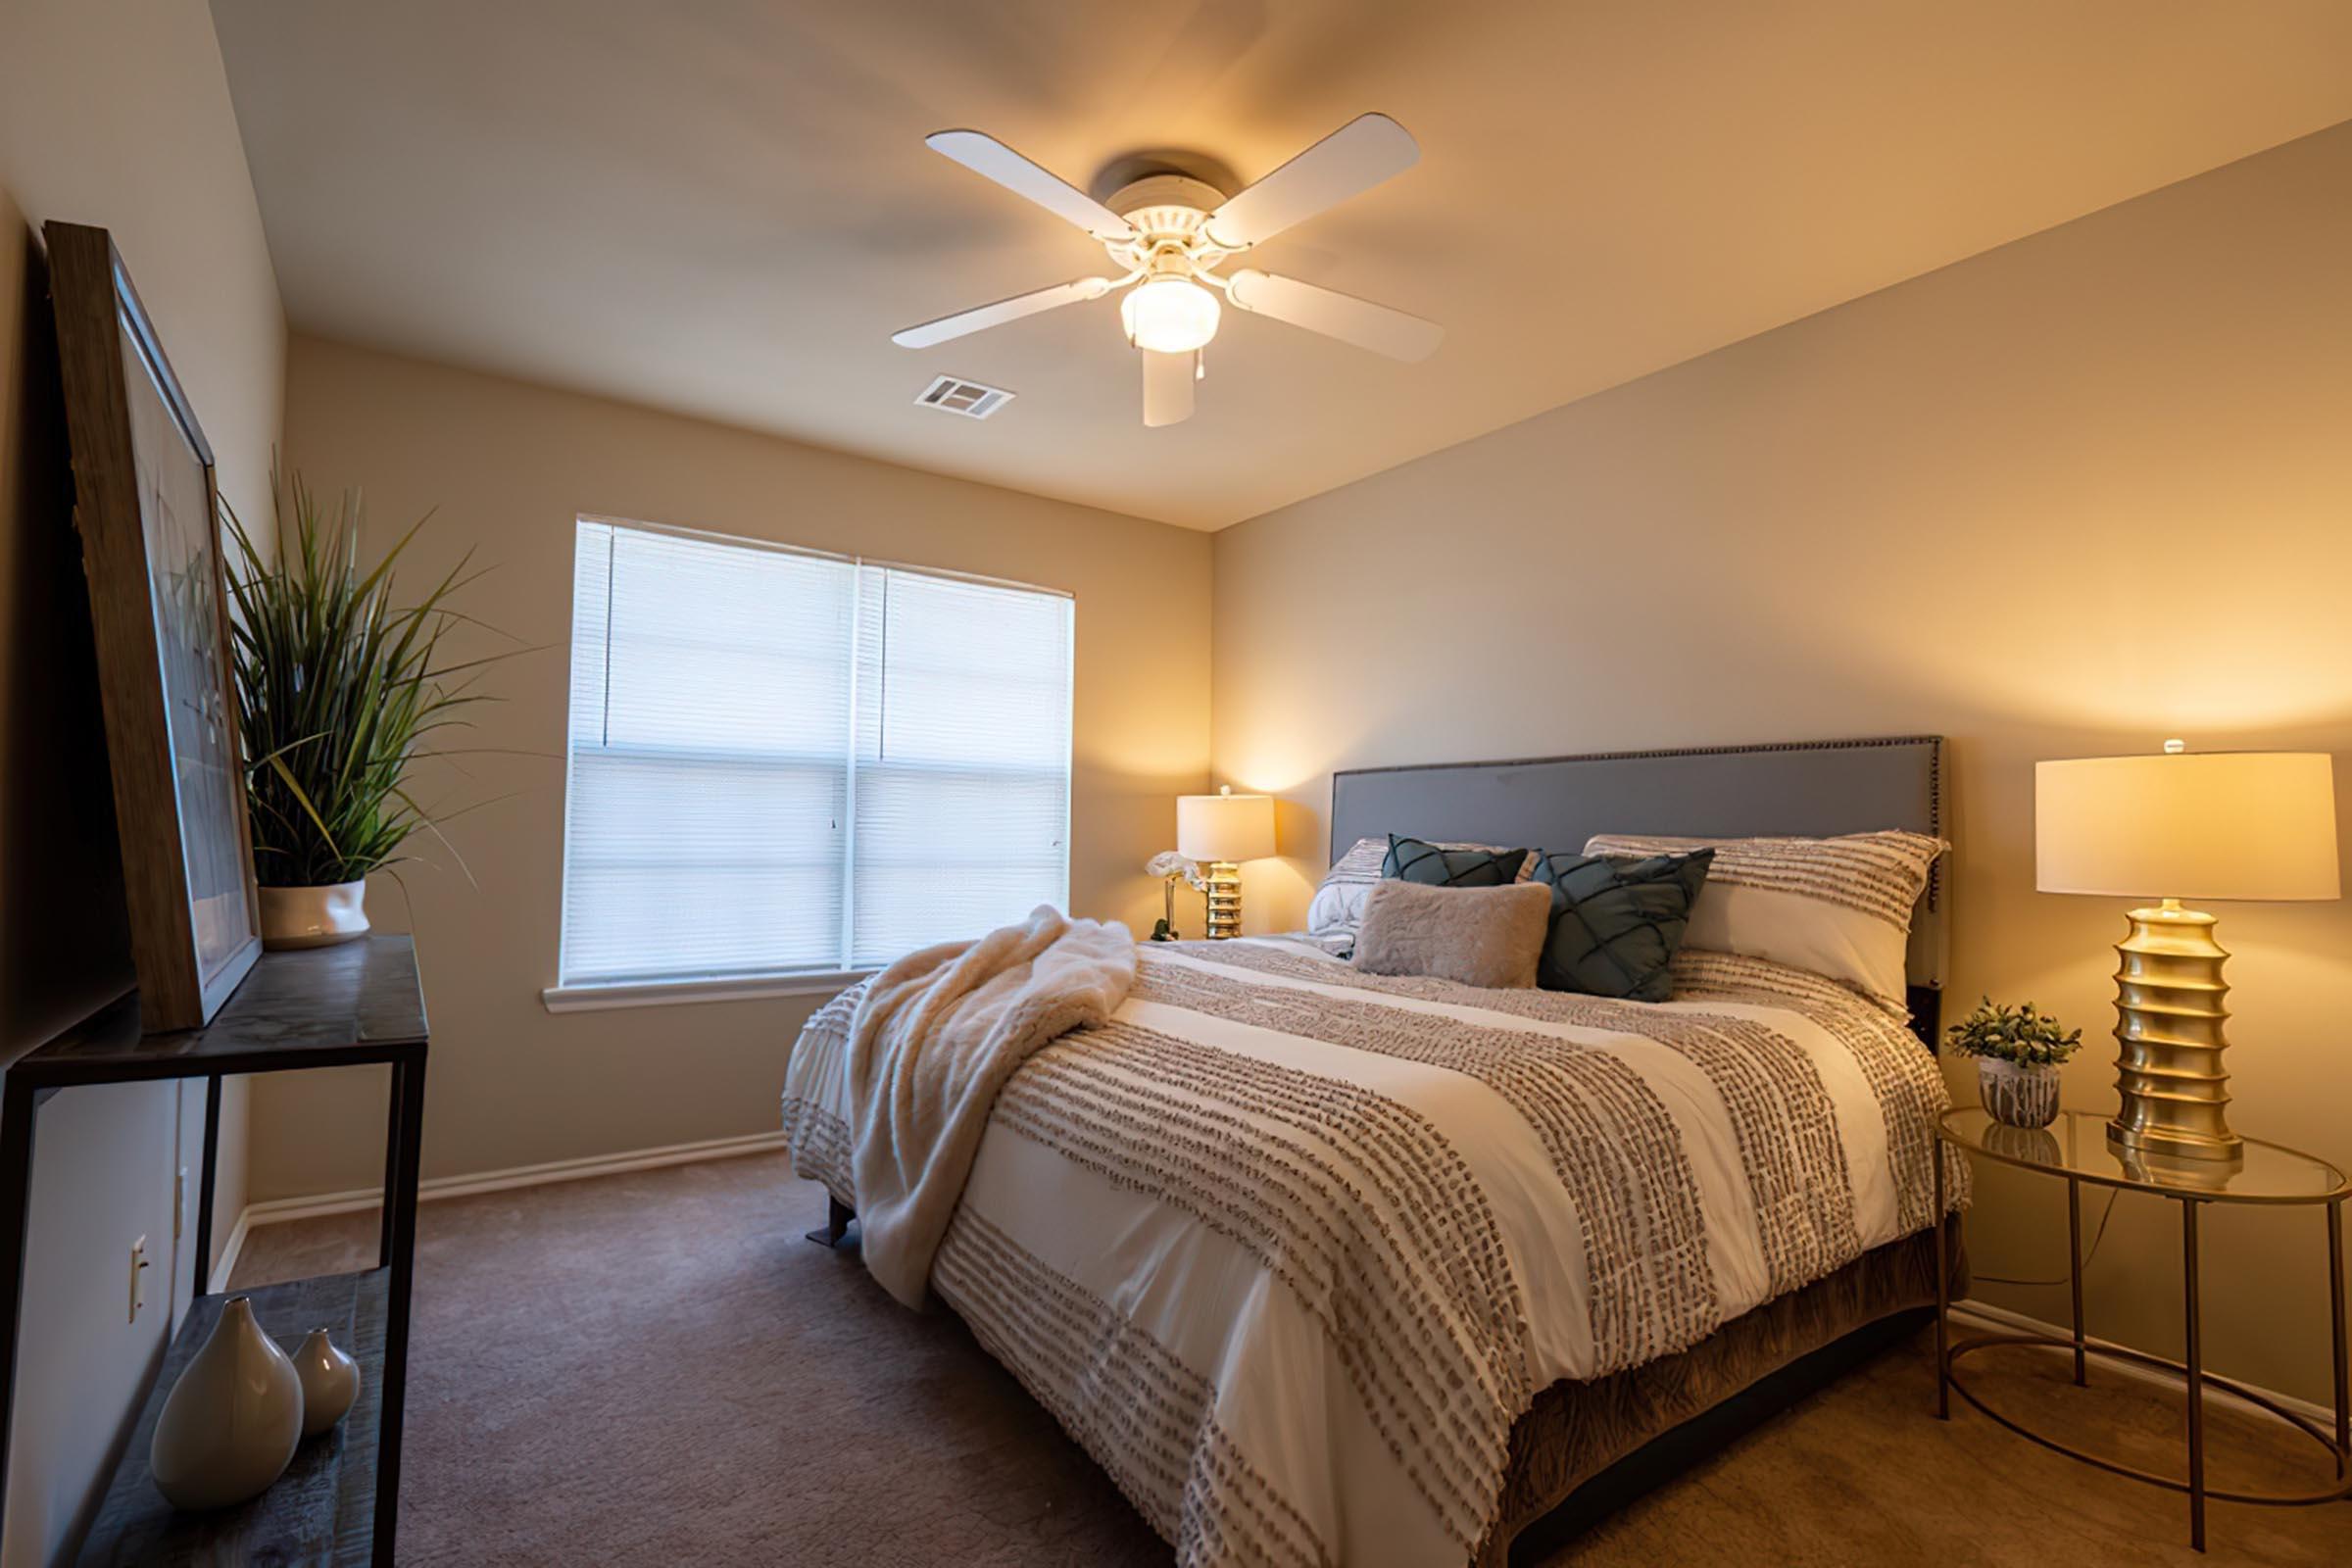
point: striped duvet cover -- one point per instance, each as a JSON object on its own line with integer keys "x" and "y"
{"x": 1287, "y": 1249}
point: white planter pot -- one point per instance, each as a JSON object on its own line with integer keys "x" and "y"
{"x": 2015, "y": 1095}
{"x": 230, "y": 1423}
{"x": 314, "y": 917}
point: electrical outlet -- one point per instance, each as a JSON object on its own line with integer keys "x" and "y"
{"x": 139, "y": 1277}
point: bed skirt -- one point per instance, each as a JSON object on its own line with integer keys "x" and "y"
{"x": 1576, "y": 1431}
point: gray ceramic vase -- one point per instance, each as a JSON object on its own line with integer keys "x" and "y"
{"x": 331, "y": 1383}
{"x": 2016, "y": 1095}
{"x": 231, "y": 1422}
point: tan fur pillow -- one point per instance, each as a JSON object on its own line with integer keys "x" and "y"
{"x": 1476, "y": 936}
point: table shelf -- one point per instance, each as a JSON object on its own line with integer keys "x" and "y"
{"x": 323, "y": 1509}
{"x": 359, "y": 1002}
{"x": 324, "y": 1007}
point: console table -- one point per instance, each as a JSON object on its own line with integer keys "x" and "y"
{"x": 355, "y": 1004}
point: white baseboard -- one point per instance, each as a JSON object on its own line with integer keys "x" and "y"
{"x": 226, "y": 1264}
{"x": 279, "y": 1211}
{"x": 2000, "y": 1319}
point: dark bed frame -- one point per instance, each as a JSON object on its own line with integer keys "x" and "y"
{"x": 1588, "y": 1450}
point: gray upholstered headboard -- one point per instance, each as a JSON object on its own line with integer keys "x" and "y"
{"x": 1805, "y": 788}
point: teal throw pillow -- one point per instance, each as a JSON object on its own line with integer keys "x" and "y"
{"x": 1450, "y": 865}
{"x": 1616, "y": 920}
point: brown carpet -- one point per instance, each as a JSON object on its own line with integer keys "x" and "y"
{"x": 657, "y": 1369}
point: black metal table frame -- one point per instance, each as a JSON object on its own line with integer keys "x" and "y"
{"x": 30, "y": 1084}
{"x": 2196, "y": 1379}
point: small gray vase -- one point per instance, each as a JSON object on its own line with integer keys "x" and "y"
{"x": 331, "y": 1383}
{"x": 2018, "y": 1096}
{"x": 231, "y": 1424}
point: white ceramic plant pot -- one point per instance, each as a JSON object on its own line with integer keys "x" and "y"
{"x": 2016, "y": 1095}
{"x": 314, "y": 917}
{"x": 230, "y": 1423}
{"x": 331, "y": 1383}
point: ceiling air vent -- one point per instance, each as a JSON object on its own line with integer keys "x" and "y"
{"x": 967, "y": 397}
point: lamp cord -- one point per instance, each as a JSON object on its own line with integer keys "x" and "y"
{"x": 2096, "y": 1237}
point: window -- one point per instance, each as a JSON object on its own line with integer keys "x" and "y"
{"x": 785, "y": 763}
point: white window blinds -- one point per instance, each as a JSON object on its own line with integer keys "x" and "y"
{"x": 787, "y": 762}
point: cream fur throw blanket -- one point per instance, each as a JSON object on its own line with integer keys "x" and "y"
{"x": 933, "y": 1040}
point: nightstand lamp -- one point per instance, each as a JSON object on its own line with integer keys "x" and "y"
{"x": 2248, "y": 825}
{"x": 1221, "y": 831}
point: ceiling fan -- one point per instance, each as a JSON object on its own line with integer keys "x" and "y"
{"x": 1168, "y": 233}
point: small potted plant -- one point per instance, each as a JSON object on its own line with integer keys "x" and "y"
{"x": 2018, "y": 1051}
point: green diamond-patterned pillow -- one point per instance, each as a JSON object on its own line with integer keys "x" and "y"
{"x": 1616, "y": 920}
{"x": 1450, "y": 865}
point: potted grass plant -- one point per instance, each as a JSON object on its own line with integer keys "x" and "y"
{"x": 338, "y": 687}
{"x": 2017, "y": 1050}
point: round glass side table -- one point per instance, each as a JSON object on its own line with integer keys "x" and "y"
{"x": 2075, "y": 1148}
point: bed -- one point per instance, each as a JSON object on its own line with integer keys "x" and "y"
{"x": 1327, "y": 1267}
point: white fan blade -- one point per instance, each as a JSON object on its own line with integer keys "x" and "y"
{"x": 988, "y": 157}
{"x": 1349, "y": 161}
{"x": 1167, "y": 387}
{"x": 981, "y": 317}
{"x": 1335, "y": 314}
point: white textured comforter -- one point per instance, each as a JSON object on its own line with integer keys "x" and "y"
{"x": 1287, "y": 1249}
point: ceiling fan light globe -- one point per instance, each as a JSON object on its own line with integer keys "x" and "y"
{"x": 1169, "y": 316}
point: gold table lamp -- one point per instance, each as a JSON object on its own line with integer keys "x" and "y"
{"x": 2243, "y": 825}
{"x": 1221, "y": 831}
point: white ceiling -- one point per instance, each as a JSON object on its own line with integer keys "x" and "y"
{"x": 725, "y": 207}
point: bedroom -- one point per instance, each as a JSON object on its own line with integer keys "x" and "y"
{"x": 1972, "y": 380}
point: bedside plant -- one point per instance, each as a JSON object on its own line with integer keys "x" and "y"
{"x": 336, "y": 687}
{"x": 2018, "y": 1052}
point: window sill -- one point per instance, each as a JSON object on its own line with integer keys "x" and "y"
{"x": 666, "y": 992}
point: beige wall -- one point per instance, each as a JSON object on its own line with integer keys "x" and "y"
{"x": 114, "y": 112}
{"x": 2066, "y": 498}
{"x": 510, "y": 467}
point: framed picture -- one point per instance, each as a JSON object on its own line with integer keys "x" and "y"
{"x": 145, "y": 506}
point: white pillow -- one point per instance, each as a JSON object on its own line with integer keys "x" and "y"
{"x": 1836, "y": 907}
{"x": 1338, "y": 908}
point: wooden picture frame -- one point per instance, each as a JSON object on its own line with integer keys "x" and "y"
{"x": 146, "y": 506}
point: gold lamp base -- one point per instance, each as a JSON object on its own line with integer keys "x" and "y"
{"x": 2168, "y": 1016}
{"x": 1221, "y": 882}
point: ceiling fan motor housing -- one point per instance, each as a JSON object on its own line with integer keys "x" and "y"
{"x": 1167, "y": 207}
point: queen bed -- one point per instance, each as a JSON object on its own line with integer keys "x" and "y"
{"x": 1325, "y": 1266}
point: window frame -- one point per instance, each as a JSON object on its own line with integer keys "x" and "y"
{"x": 594, "y": 996}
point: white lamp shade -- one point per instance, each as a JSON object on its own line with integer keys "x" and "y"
{"x": 1225, "y": 827}
{"x": 2256, "y": 825}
